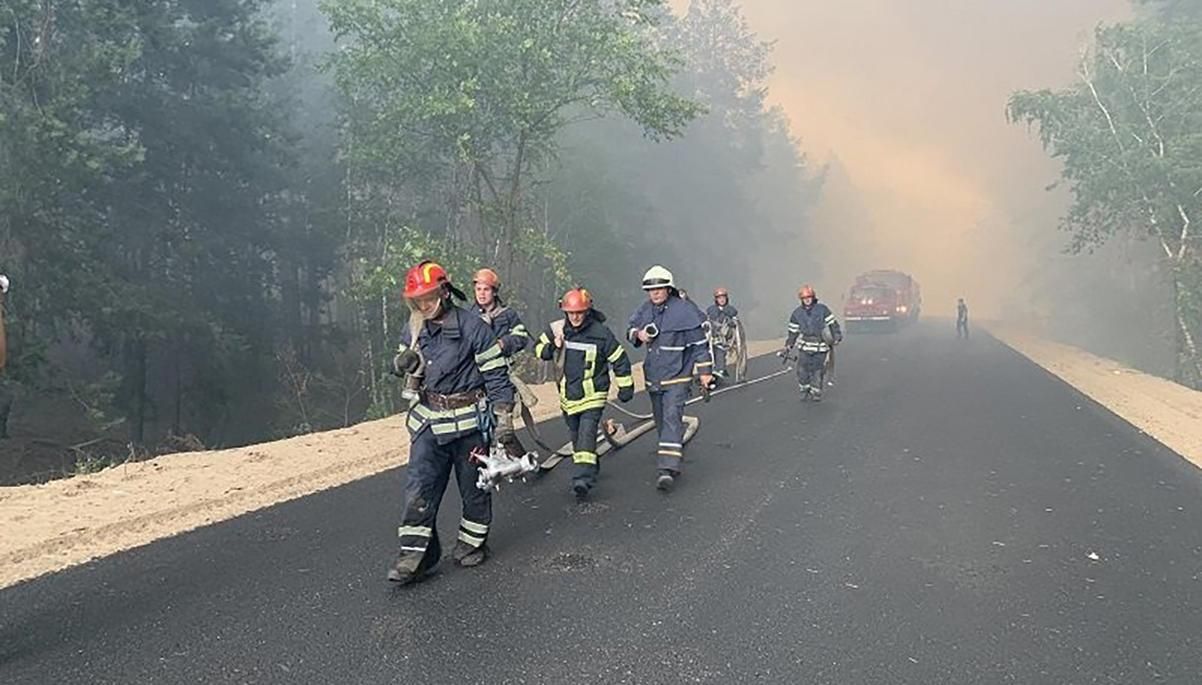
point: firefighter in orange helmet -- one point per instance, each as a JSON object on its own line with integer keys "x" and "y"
{"x": 814, "y": 330}
{"x": 464, "y": 376}
{"x": 586, "y": 350}
{"x": 512, "y": 336}
{"x": 722, "y": 316}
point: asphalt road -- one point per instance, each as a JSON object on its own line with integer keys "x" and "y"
{"x": 951, "y": 514}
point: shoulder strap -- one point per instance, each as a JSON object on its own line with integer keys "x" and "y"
{"x": 557, "y": 328}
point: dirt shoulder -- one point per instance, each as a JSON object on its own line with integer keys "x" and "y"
{"x": 67, "y": 522}
{"x": 1169, "y": 412}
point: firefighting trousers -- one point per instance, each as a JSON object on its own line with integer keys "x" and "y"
{"x": 961, "y": 329}
{"x": 430, "y": 466}
{"x": 720, "y": 358}
{"x": 667, "y": 405}
{"x": 583, "y": 427}
{"x": 506, "y": 432}
{"x": 811, "y": 368}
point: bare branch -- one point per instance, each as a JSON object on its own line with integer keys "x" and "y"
{"x": 1185, "y": 224}
{"x": 1089, "y": 83}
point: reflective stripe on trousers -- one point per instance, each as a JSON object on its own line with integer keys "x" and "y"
{"x": 583, "y": 428}
{"x": 429, "y": 472}
{"x": 667, "y": 405}
{"x": 811, "y": 368}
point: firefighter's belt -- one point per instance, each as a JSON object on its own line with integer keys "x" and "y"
{"x": 459, "y": 400}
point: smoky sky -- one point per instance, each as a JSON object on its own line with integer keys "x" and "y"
{"x": 905, "y": 99}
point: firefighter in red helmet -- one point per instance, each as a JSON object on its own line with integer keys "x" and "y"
{"x": 463, "y": 376}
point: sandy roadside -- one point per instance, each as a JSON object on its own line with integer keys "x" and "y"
{"x": 1168, "y": 412}
{"x": 67, "y": 522}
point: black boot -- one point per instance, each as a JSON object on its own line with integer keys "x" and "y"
{"x": 584, "y": 479}
{"x": 410, "y": 567}
{"x": 467, "y": 556}
{"x": 665, "y": 481}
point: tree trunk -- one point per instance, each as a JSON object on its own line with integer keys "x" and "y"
{"x": 8, "y": 395}
{"x": 3, "y": 337}
{"x": 507, "y": 252}
{"x": 311, "y": 308}
{"x": 1189, "y": 363}
{"x": 136, "y": 384}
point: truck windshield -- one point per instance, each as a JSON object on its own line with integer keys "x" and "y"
{"x": 870, "y": 295}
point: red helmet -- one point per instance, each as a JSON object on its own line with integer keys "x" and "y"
{"x": 576, "y": 300}
{"x": 720, "y": 292}
{"x": 804, "y": 292}
{"x": 488, "y": 277}
{"x": 425, "y": 278}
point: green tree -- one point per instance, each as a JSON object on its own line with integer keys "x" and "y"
{"x": 139, "y": 190}
{"x": 724, "y": 205}
{"x": 465, "y": 99}
{"x": 60, "y": 149}
{"x": 1128, "y": 135}
{"x": 1173, "y": 9}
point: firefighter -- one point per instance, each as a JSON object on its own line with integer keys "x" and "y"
{"x": 677, "y": 348}
{"x": 722, "y": 316}
{"x": 961, "y": 319}
{"x": 511, "y": 335}
{"x": 464, "y": 379}
{"x": 587, "y": 350}
{"x": 815, "y": 325}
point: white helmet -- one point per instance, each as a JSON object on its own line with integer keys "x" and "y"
{"x": 658, "y": 277}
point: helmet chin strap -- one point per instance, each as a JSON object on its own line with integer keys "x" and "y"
{"x": 437, "y": 312}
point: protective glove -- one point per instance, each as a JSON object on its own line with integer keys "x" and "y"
{"x": 503, "y": 427}
{"x": 406, "y": 362}
{"x": 625, "y": 394}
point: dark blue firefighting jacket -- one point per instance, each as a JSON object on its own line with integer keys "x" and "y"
{"x": 508, "y": 328}
{"x": 680, "y": 348}
{"x": 589, "y": 352}
{"x": 720, "y": 315}
{"x": 461, "y": 354}
{"x": 809, "y": 324}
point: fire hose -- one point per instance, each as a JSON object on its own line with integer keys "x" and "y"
{"x": 702, "y": 398}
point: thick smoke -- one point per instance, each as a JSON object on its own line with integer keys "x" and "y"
{"x": 906, "y": 101}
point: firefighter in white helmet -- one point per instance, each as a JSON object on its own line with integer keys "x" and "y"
{"x": 677, "y": 349}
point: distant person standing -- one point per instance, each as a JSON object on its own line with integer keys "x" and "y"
{"x": 961, "y": 319}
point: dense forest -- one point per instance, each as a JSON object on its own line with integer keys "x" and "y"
{"x": 206, "y": 205}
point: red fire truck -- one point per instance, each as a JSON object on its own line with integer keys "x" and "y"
{"x": 884, "y": 299}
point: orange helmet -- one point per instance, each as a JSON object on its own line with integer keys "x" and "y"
{"x": 805, "y": 291}
{"x": 488, "y": 277}
{"x": 425, "y": 278}
{"x": 720, "y": 292}
{"x": 576, "y": 300}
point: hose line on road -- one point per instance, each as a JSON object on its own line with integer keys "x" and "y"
{"x": 736, "y": 386}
